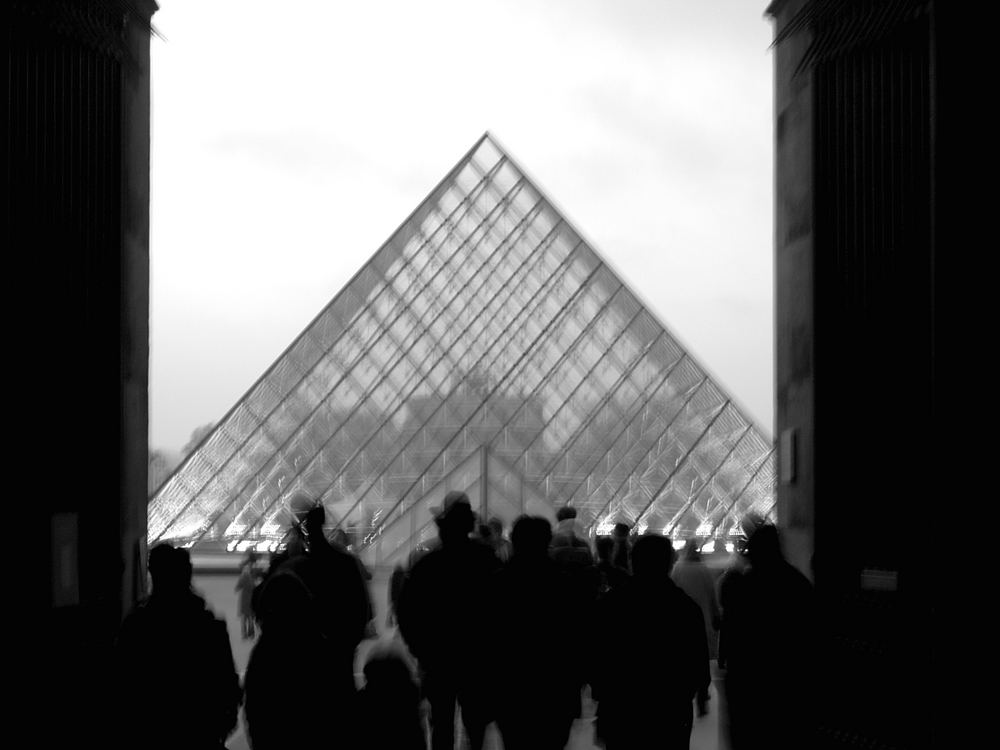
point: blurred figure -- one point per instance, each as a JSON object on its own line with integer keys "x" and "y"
{"x": 696, "y": 580}
{"x": 646, "y": 701}
{"x": 178, "y": 685}
{"x": 245, "y": 585}
{"x": 568, "y": 547}
{"x": 538, "y": 635}
{"x": 397, "y": 581}
{"x": 334, "y": 578}
{"x": 623, "y": 546}
{"x": 389, "y": 703}
{"x": 769, "y": 629}
{"x": 483, "y": 534}
{"x": 612, "y": 577}
{"x": 288, "y": 693}
{"x": 501, "y": 545}
{"x": 572, "y": 553}
{"x": 442, "y": 616}
{"x": 318, "y": 606}
{"x": 727, "y": 586}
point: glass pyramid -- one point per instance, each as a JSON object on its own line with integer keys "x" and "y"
{"x": 486, "y": 347}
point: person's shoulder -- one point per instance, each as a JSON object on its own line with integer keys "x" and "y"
{"x": 426, "y": 563}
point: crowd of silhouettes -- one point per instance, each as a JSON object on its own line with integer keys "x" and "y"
{"x": 635, "y": 624}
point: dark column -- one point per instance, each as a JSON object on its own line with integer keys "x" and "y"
{"x": 78, "y": 260}
{"x": 855, "y": 245}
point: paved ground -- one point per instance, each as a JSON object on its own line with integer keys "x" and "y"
{"x": 218, "y": 589}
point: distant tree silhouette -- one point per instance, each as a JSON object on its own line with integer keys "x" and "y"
{"x": 196, "y": 437}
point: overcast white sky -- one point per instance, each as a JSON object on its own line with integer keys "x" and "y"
{"x": 290, "y": 139}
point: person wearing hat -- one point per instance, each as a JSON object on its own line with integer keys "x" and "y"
{"x": 443, "y": 611}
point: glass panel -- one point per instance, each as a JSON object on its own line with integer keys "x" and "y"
{"x": 484, "y": 321}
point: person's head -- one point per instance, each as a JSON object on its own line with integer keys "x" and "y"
{"x": 285, "y": 605}
{"x": 530, "y": 537}
{"x": 691, "y": 551}
{"x": 170, "y": 569}
{"x": 621, "y": 531}
{"x": 454, "y": 518}
{"x": 566, "y": 513}
{"x": 652, "y": 557}
{"x": 605, "y": 548}
{"x": 496, "y": 527}
{"x": 764, "y": 546}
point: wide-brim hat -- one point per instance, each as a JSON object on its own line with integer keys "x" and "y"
{"x": 455, "y": 503}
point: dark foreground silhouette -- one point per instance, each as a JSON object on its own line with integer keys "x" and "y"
{"x": 645, "y": 697}
{"x": 443, "y": 614}
{"x": 177, "y": 683}
{"x": 549, "y": 619}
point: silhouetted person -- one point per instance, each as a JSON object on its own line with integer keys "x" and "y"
{"x": 389, "y": 703}
{"x": 289, "y": 696}
{"x": 726, "y": 588}
{"x": 623, "y": 546}
{"x": 294, "y": 547}
{"x": 501, "y": 545}
{"x": 697, "y": 581}
{"x": 335, "y": 580}
{"x": 572, "y": 553}
{"x": 177, "y": 683}
{"x": 442, "y": 616}
{"x": 612, "y": 577}
{"x": 245, "y": 585}
{"x": 568, "y": 547}
{"x": 645, "y": 697}
{"x": 539, "y": 634}
{"x": 769, "y": 630}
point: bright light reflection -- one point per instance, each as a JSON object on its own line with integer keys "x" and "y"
{"x": 730, "y": 547}
{"x": 709, "y": 547}
{"x": 679, "y": 544}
